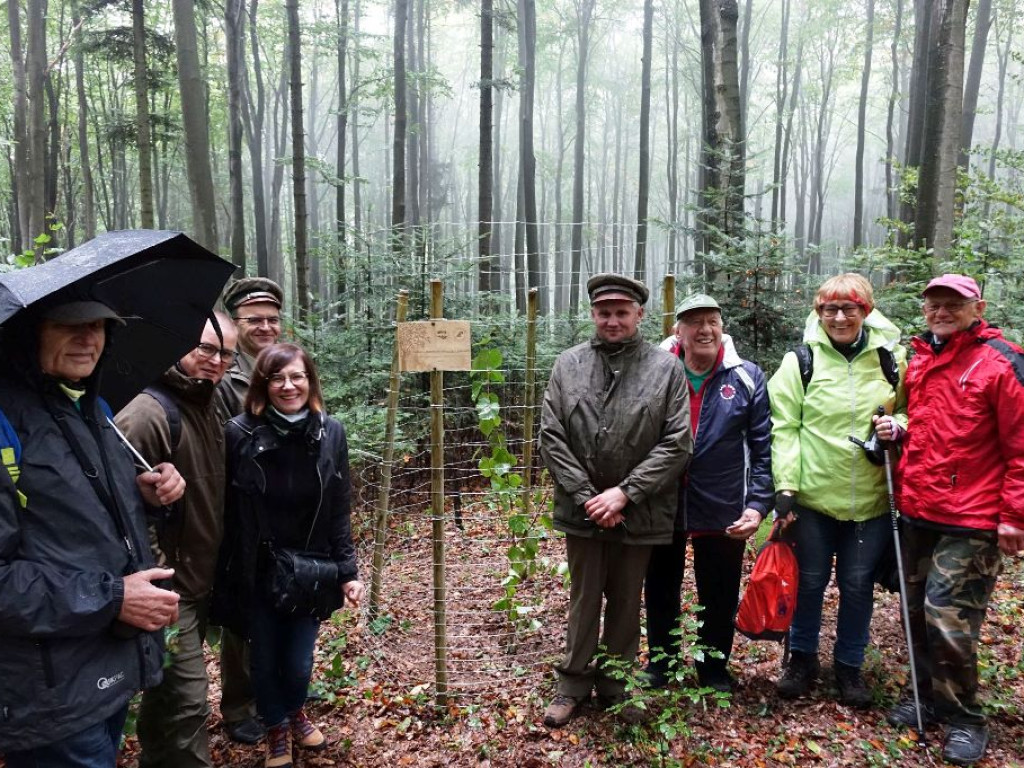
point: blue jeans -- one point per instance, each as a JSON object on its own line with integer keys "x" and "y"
{"x": 281, "y": 661}
{"x": 857, "y": 548}
{"x": 95, "y": 747}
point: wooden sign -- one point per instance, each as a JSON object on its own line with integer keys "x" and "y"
{"x": 434, "y": 345}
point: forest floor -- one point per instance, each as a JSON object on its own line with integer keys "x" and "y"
{"x": 377, "y": 707}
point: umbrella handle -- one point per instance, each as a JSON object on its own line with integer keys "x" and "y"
{"x": 138, "y": 456}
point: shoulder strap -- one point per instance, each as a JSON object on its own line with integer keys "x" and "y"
{"x": 1015, "y": 358}
{"x": 805, "y": 357}
{"x": 890, "y": 368}
{"x": 171, "y": 409}
{"x": 10, "y": 454}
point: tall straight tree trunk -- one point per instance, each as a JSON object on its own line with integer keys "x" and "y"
{"x": 982, "y": 23}
{"x": 234, "y": 34}
{"x": 891, "y": 197}
{"x": 919, "y": 87}
{"x": 36, "y": 67}
{"x": 398, "y": 191}
{"x": 341, "y": 18}
{"x": 644, "y": 183}
{"x": 781, "y": 89}
{"x": 485, "y": 177}
{"x": 357, "y": 191}
{"x": 936, "y": 189}
{"x": 254, "y": 124}
{"x": 862, "y": 118}
{"x": 298, "y": 158}
{"x": 1004, "y": 60}
{"x": 527, "y": 160}
{"x": 197, "y": 128}
{"x": 88, "y": 203}
{"x": 22, "y": 195}
{"x": 724, "y": 147}
{"x": 672, "y": 133}
{"x": 586, "y": 9}
{"x": 142, "y": 126}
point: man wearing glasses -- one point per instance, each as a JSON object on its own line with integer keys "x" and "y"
{"x": 255, "y": 304}
{"x": 178, "y": 420}
{"x": 962, "y": 499}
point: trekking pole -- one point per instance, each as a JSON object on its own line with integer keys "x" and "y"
{"x": 903, "y": 592}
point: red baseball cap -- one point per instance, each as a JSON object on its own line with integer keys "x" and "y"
{"x": 962, "y": 284}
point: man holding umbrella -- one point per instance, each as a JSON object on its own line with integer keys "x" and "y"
{"x": 962, "y": 499}
{"x": 80, "y": 615}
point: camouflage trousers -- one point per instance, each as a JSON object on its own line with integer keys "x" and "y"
{"x": 950, "y": 579}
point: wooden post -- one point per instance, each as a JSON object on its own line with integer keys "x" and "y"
{"x": 437, "y": 512}
{"x": 668, "y": 298}
{"x": 381, "y": 526}
{"x": 531, "y": 398}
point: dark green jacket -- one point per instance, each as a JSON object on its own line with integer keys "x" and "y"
{"x": 617, "y": 417}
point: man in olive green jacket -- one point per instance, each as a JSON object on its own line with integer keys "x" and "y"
{"x": 615, "y": 435}
{"x": 173, "y": 717}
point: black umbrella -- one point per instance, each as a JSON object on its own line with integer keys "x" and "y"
{"x": 162, "y": 283}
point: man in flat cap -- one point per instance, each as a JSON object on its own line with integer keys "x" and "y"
{"x": 726, "y": 492}
{"x": 615, "y": 435}
{"x": 255, "y": 305}
{"x": 962, "y": 501}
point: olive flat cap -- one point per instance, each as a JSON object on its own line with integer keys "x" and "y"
{"x": 252, "y": 290}
{"x": 608, "y": 286}
{"x": 696, "y": 301}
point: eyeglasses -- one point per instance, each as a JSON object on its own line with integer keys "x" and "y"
{"x": 832, "y": 310}
{"x": 208, "y": 351}
{"x": 273, "y": 322}
{"x": 931, "y": 307}
{"x": 278, "y": 380}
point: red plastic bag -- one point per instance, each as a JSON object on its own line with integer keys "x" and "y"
{"x": 766, "y": 610}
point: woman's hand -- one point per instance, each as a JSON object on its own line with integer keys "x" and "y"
{"x": 784, "y": 501}
{"x": 745, "y": 525}
{"x": 353, "y": 591}
{"x": 887, "y": 428}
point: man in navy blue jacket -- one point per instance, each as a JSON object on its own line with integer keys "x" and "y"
{"x": 724, "y": 495}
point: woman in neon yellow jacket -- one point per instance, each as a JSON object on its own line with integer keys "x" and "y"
{"x": 834, "y": 495}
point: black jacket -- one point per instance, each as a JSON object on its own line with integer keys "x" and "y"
{"x": 251, "y": 444}
{"x": 62, "y": 563}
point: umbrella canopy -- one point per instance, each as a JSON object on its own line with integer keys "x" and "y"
{"x": 162, "y": 283}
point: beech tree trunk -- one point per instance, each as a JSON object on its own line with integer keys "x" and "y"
{"x": 142, "y": 140}
{"x": 298, "y": 159}
{"x": 485, "y": 176}
{"x": 644, "y": 184}
{"x": 862, "y": 114}
{"x": 234, "y": 21}
{"x": 586, "y": 10}
{"x": 982, "y": 23}
{"x": 88, "y": 203}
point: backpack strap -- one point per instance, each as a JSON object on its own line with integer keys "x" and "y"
{"x": 890, "y": 368}
{"x": 171, "y": 410}
{"x": 805, "y": 358}
{"x": 10, "y": 454}
{"x": 1015, "y": 358}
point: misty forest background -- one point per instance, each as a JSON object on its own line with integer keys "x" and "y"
{"x": 353, "y": 148}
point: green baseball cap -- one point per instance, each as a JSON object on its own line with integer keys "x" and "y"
{"x": 696, "y": 301}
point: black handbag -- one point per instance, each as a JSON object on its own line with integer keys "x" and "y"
{"x": 301, "y": 583}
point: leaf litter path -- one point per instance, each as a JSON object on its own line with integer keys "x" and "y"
{"x": 379, "y": 709}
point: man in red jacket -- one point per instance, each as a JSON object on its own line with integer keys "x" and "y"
{"x": 962, "y": 499}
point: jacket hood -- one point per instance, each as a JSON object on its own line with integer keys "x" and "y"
{"x": 198, "y": 391}
{"x": 880, "y": 329}
{"x": 730, "y": 359}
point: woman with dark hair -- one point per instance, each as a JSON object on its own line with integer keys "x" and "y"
{"x": 287, "y": 490}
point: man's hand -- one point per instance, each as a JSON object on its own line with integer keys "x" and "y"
{"x": 745, "y": 525}
{"x": 887, "y": 428}
{"x": 353, "y": 591}
{"x": 145, "y": 605}
{"x": 605, "y": 509}
{"x": 784, "y": 501}
{"x": 163, "y": 486}
{"x": 1011, "y": 539}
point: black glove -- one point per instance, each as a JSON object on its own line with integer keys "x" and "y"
{"x": 784, "y": 503}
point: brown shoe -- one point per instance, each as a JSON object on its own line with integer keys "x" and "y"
{"x": 630, "y": 714}
{"x": 279, "y": 747}
{"x": 305, "y": 734}
{"x": 561, "y": 710}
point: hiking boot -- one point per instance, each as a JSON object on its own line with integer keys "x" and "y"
{"x": 305, "y": 734}
{"x": 561, "y": 710}
{"x": 800, "y": 675}
{"x": 279, "y": 747}
{"x": 852, "y": 691}
{"x": 965, "y": 744}
{"x": 630, "y": 714}
{"x": 653, "y": 676}
{"x": 905, "y": 714}
{"x": 248, "y": 731}
{"x": 716, "y": 678}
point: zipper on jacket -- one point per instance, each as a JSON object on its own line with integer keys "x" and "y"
{"x": 47, "y": 660}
